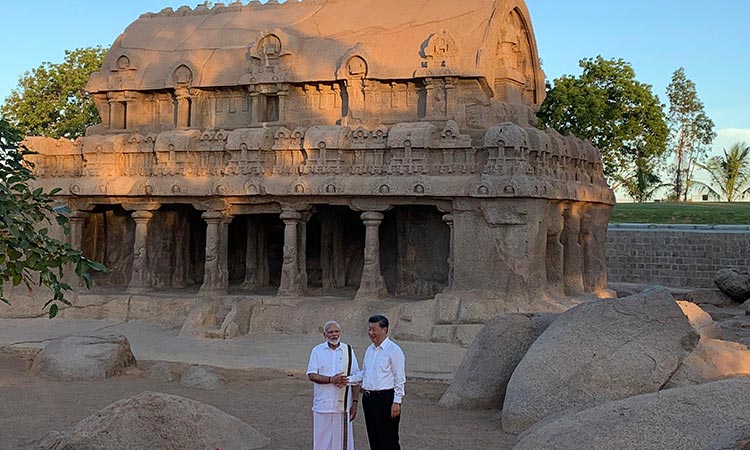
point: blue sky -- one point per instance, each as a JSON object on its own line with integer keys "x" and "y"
{"x": 709, "y": 39}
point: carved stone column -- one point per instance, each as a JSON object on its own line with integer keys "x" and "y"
{"x": 372, "y": 285}
{"x": 332, "y": 260}
{"x": 213, "y": 278}
{"x": 291, "y": 283}
{"x": 448, "y": 219}
{"x": 302, "y": 249}
{"x": 183, "y": 108}
{"x": 253, "y": 259}
{"x": 77, "y": 221}
{"x": 224, "y": 250}
{"x": 573, "y": 253}
{"x": 140, "y": 279}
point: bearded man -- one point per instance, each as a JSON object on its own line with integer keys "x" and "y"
{"x": 334, "y": 401}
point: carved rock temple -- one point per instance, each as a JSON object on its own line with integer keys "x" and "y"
{"x": 262, "y": 166}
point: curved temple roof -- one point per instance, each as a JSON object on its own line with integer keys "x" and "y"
{"x": 309, "y": 41}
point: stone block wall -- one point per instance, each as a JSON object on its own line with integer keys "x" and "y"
{"x": 675, "y": 255}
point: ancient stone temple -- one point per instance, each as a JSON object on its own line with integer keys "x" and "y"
{"x": 363, "y": 150}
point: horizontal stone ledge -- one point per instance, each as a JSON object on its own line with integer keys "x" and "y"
{"x": 686, "y": 228}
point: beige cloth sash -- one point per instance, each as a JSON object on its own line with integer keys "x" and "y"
{"x": 343, "y": 400}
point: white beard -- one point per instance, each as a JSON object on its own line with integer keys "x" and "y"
{"x": 334, "y": 342}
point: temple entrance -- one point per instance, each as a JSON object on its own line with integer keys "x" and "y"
{"x": 414, "y": 251}
{"x": 108, "y": 238}
{"x": 176, "y": 247}
{"x": 335, "y": 248}
{"x": 255, "y": 253}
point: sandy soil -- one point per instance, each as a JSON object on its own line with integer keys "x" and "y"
{"x": 276, "y": 404}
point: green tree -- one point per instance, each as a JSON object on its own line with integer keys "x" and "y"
{"x": 51, "y": 100}
{"x": 644, "y": 182}
{"x": 28, "y": 254}
{"x": 730, "y": 174}
{"x": 691, "y": 132}
{"x": 617, "y": 113}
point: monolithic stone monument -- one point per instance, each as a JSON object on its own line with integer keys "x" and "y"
{"x": 295, "y": 149}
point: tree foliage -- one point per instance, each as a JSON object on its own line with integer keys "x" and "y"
{"x": 50, "y": 100}
{"x": 617, "y": 113}
{"x": 730, "y": 174}
{"x": 691, "y": 132}
{"x": 28, "y": 254}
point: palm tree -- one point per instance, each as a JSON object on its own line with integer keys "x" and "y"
{"x": 730, "y": 174}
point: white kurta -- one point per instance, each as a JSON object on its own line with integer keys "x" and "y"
{"x": 328, "y": 422}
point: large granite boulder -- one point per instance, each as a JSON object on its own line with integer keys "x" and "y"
{"x": 734, "y": 440}
{"x": 712, "y": 360}
{"x": 484, "y": 372}
{"x": 599, "y": 352}
{"x": 734, "y": 284}
{"x": 701, "y": 321}
{"x": 689, "y": 418}
{"x": 88, "y": 357}
{"x": 152, "y": 420}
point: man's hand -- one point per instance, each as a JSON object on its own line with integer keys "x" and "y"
{"x": 340, "y": 380}
{"x": 395, "y": 410}
{"x": 353, "y": 412}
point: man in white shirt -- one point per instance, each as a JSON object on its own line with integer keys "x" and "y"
{"x": 330, "y": 365}
{"x": 382, "y": 376}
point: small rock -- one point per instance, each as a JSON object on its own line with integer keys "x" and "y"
{"x": 93, "y": 356}
{"x": 200, "y": 377}
{"x": 734, "y": 284}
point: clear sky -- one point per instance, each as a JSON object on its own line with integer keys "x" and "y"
{"x": 709, "y": 39}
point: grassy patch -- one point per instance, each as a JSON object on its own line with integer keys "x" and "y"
{"x": 697, "y": 213}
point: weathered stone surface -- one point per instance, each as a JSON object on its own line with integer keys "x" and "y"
{"x": 689, "y": 418}
{"x": 734, "y": 440}
{"x": 708, "y": 297}
{"x": 89, "y": 357}
{"x": 599, "y": 352}
{"x": 483, "y": 375}
{"x": 712, "y": 360}
{"x": 734, "y": 284}
{"x": 153, "y": 420}
{"x": 701, "y": 321}
{"x": 200, "y": 377}
{"x": 160, "y": 371}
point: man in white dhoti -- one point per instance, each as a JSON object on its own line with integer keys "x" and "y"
{"x": 334, "y": 402}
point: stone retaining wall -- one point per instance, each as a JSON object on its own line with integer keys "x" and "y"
{"x": 675, "y": 255}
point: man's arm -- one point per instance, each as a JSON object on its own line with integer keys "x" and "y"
{"x": 324, "y": 379}
{"x": 399, "y": 379}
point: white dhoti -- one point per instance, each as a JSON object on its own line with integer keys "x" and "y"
{"x": 328, "y": 431}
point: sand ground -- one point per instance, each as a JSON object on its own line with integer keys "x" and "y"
{"x": 274, "y": 402}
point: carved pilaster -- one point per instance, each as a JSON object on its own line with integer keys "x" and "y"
{"x": 554, "y": 265}
{"x": 372, "y": 285}
{"x": 291, "y": 283}
{"x": 140, "y": 279}
{"x": 448, "y": 219}
{"x": 213, "y": 276}
{"x": 77, "y": 220}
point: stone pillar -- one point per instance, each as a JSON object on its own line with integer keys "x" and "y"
{"x": 77, "y": 220}
{"x": 224, "y": 250}
{"x": 213, "y": 278}
{"x": 302, "y": 249}
{"x": 140, "y": 279}
{"x": 252, "y": 279}
{"x": 372, "y": 285}
{"x": 448, "y": 219}
{"x": 573, "y": 253}
{"x": 332, "y": 260}
{"x": 290, "y": 275}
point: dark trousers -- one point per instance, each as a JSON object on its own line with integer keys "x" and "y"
{"x": 382, "y": 430}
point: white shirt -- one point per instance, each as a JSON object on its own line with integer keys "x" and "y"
{"x": 383, "y": 368}
{"x": 328, "y": 362}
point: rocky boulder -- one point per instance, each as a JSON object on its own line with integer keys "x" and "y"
{"x": 200, "y": 377}
{"x": 701, "y": 321}
{"x": 599, "y": 352}
{"x": 689, "y": 418}
{"x": 88, "y": 357}
{"x": 712, "y": 360}
{"x": 708, "y": 297}
{"x": 734, "y": 284}
{"x": 484, "y": 372}
{"x": 152, "y": 420}
{"x": 734, "y": 440}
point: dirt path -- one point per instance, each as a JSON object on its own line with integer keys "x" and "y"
{"x": 276, "y": 404}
